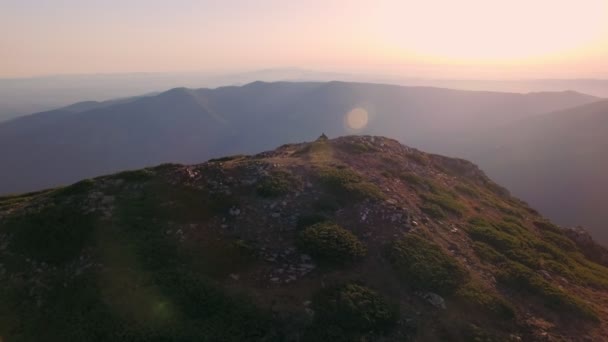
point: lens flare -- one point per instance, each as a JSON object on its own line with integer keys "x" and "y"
{"x": 357, "y": 119}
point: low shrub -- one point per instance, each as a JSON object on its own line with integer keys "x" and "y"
{"x": 424, "y": 266}
{"x": 487, "y": 253}
{"x": 310, "y": 219}
{"x": 227, "y": 158}
{"x": 523, "y": 279}
{"x": 75, "y": 189}
{"x": 499, "y": 240}
{"x": 346, "y": 184}
{"x": 276, "y": 184}
{"x": 329, "y": 242}
{"x": 446, "y": 202}
{"x": 135, "y": 175}
{"x": 483, "y": 299}
{"x": 467, "y": 190}
{"x": 354, "y": 308}
{"x": 433, "y": 210}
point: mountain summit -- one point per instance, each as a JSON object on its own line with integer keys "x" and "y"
{"x": 341, "y": 239}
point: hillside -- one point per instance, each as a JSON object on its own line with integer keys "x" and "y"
{"x": 557, "y": 162}
{"x": 192, "y": 125}
{"x": 350, "y": 239}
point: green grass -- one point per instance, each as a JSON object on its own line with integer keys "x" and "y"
{"x": 424, "y": 266}
{"x": 329, "y": 242}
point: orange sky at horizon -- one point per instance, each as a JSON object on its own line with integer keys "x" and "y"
{"x": 415, "y": 38}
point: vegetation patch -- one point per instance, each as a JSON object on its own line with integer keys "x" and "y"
{"x": 419, "y": 158}
{"x": 166, "y": 166}
{"x": 424, "y": 266}
{"x": 446, "y": 201}
{"x": 228, "y": 158}
{"x": 136, "y": 175}
{"x": 523, "y": 279}
{"x": 433, "y": 210}
{"x": 488, "y": 254}
{"x": 75, "y": 189}
{"x": 484, "y": 299}
{"x": 357, "y": 147}
{"x": 350, "y": 310}
{"x": 346, "y": 184}
{"x": 276, "y": 184}
{"x": 54, "y": 234}
{"x": 329, "y": 242}
{"x": 321, "y": 146}
{"x": 310, "y": 219}
{"x": 467, "y": 190}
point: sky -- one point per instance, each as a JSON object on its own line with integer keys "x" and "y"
{"x": 416, "y": 38}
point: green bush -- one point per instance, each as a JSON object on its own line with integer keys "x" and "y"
{"x": 227, "y": 158}
{"x": 560, "y": 240}
{"x": 346, "y": 184}
{"x": 329, "y": 242}
{"x": 523, "y": 279}
{"x": 483, "y": 299}
{"x": 276, "y": 184}
{"x": 433, "y": 210}
{"x": 424, "y": 266}
{"x": 445, "y": 201}
{"x": 412, "y": 179}
{"x": 136, "y": 175}
{"x": 487, "y": 253}
{"x": 467, "y": 190}
{"x": 310, "y": 219}
{"x": 499, "y": 240}
{"x": 354, "y": 308}
{"x": 75, "y": 189}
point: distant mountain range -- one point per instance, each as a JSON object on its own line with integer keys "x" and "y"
{"x": 557, "y": 161}
{"x": 192, "y": 125}
{"x": 22, "y": 96}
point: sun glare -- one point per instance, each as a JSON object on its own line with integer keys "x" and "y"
{"x": 493, "y": 30}
{"x": 357, "y": 119}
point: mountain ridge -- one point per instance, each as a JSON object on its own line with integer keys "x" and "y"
{"x": 347, "y": 238}
{"x": 244, "y": 119}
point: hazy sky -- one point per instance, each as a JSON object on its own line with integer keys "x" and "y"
{"x": 432, "y": 38}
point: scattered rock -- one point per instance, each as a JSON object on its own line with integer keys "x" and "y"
{"x": 434, "y": 299}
